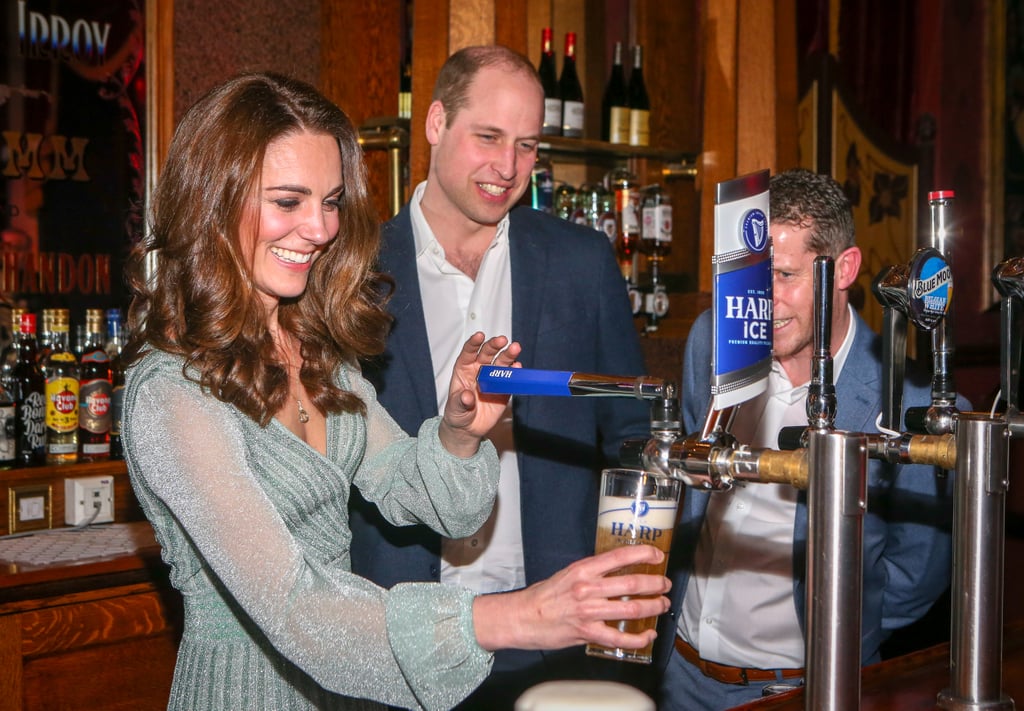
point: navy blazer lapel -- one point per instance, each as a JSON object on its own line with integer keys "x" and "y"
{"x": 528, "y": 260}
{"x": 408, "y": 344}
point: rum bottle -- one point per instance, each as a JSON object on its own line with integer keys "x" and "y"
{"x": 29, "y": 391}
{"x": 94, "y": 391}
{"x": 61, "y": 372}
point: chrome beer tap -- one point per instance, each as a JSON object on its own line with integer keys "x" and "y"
{"x": 931, "y": 285}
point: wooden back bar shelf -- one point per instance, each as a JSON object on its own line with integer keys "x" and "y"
{"x": 96, "y": 633}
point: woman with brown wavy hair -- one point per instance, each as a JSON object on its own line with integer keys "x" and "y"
{"x": 246, "y": 420}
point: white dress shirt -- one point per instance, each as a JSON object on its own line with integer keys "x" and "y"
{"x": 456, "y": 306}
{"x": 738, "y": 608}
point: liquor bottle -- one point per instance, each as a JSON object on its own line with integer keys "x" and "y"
{"x": 542, "y": 186}
{"x": 8, "y": 430}
{"x": 549, "y": 80}
{"x": 615, "y": 103}
{"x": 639, "y": 103}
{"x": 625, "y": 186}
{"x": 94, "y": 391}
{"x": 45, "y": 336}
{"x": 606, "y": 221}
{"x": 29, "y": 391}
{"x": 10, "y": 354}
{"x": 571, "y": 91}
{"x": 114, "y": 345}
{"x": 656, "y": 230}
{"x": 61, "y": 372}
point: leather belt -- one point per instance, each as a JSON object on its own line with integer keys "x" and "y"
{"x": 732, "y": 675}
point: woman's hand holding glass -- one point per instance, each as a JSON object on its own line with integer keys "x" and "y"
{"x": 572, "y": 606}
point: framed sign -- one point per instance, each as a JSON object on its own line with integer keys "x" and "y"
{"x": 78, "y": 148}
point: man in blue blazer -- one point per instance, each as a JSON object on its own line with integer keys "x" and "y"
{"x": 739, "y": 558}
{"x": 462, "y": 260}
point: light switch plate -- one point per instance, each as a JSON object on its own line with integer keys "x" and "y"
{"x": 30, "y": 508}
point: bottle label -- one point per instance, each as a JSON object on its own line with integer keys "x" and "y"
{"x": 649, "y": 229}
{"x": 62, "y": 404}
{"x": 618, "y": 125}
{"x": 656, "y": 302}
{"x": 8, "y": 434}
{"x": 32, "y": 419}
{"x": 663, "y": 223}
{"x": 627, "y": 202}
{"x": 657, "y": 223}
{"x": 639, "y": 127}
{"x": 607, "y": 224}
{"x": 552, "y": 117}
{"x": 116, "y": 407}
{"x": 94, "y": 413}
{"x": 572, "y": 119}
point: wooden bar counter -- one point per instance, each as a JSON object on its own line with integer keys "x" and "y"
{"x": 913, "y": 681}
{"x": 98, "y": 633}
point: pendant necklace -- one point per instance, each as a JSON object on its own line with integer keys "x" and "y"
{"x": 303, "y": 415}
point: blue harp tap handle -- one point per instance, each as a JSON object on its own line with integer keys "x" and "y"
{"x": 502, "y": 380}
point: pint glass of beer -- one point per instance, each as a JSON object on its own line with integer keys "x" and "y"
{"x": 636, "y": 507}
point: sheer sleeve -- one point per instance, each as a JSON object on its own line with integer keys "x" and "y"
{"x": 424, "y": 483}
{"x": 223, "y": 537}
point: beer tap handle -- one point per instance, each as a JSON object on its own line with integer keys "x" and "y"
{"x": 943, "y": 230}
{"x": 821, "y": 396}
{"x": 890, "y": 288}
{"x": 503, "y": 380}
{"x": 929, "y": 289}
{"x": 1008, "y": 278}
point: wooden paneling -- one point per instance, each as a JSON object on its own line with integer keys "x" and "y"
{"x": 429, "y": 51}
{"x": 97, "y": 634}
{"x": 750, "y": 88}
{"x": 70, "y": 627}
{"x": 10, "y": 664}
{"x": 360, "y": 56}
{"x": 134, "y": 675}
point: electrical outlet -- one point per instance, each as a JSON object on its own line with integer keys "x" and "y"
{"x": 86, "y": 497}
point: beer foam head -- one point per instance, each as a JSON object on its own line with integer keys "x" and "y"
{"x": 577, "y": 695}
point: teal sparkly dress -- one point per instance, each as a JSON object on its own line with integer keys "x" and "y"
{"x": 253, "y": 524}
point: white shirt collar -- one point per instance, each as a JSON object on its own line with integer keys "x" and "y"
{"x": 423, "y": 235}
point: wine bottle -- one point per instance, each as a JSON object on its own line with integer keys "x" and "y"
{"x": 94, "y": 392}
{"x": 61, "y": 372}
{"x": 571, "y": 91}
{"x": 615, "y": 103}
{"x": 639, "y": 103}
{"x": 549, "y": 80}
{"x": 29, "y": 391}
